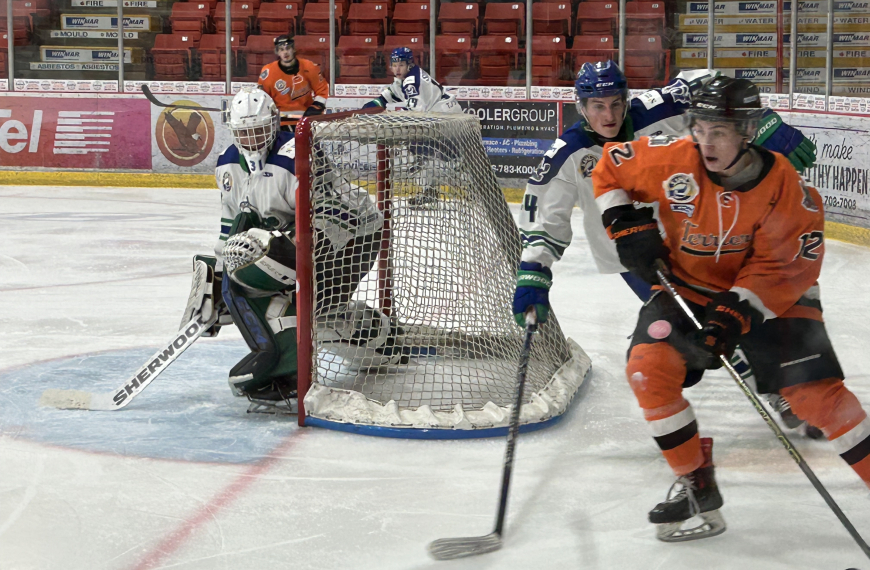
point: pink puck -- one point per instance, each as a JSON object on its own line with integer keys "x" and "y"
{"x": 659, "y": 329}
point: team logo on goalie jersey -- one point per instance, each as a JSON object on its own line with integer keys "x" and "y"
{"x": 681, "y": 189}
{"x": 227, "y": 181}
{"x": 587, "y": 165}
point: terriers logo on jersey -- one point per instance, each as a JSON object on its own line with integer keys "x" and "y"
{"x": 281, "y": 86}
{"x": 681, "y": 188}
{"x": 808, "y": 202}
{"x": 587, "y": 164}
{"x": 227, "y": 181}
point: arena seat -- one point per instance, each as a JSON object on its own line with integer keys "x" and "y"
{"x": 645, "y": 18}
{"x": 549, "y": 56}
{"x": 258, "y": 50}
{"x": 496, "y": 57}
{"x": 172, "y": 55}
{"x": 597, "y": 18}
{"x": 416, "y": 44}
{"x": 454, "y": 58}
{"x": 242, "y": 14}
{"x": 191, "y": 18}
{"x": 411, "y": 19}
{"x": 314, "y": 47}
{"x": 459, "y": 18}
{"x": 504, "y": 19}
{"x": 645, "y": 61}
{"x": 591, "y": 49}
{"x": 550, "y": 18}
{"x": 213, "y": 56}
{"x": 315, "y": 18}
{"x": 278, "y": 18}
{"x": 356, "y": 56}
{"x": 366, "y": 19}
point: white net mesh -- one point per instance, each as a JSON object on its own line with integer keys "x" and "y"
{"x": 412, "y": 315}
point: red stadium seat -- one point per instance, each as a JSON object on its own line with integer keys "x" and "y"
{"x": 171, "y": 54}
{"x": 411, "y": 20}
{"x": 496, "y": 57}
{"x": 213, "y": 56}
{"x": 258, "y": 50}
{"x": 647, "y": 64}
{"x": 505, "y": 19}
{"x": 459, "y": 18}
{"x": 367, "y": 19}
{"x": 315, "y": 48}
{"x": 549, "y": 55}
{"x": 551, "y": 18}
{"x": 191, "y": 18}
{"x": 590, "y": 49}
{"x": 645, "y": 18}
{"x": 21, "y": 29}
{"x": 597, "y": 18}
{"x": 416, "y": 44}
{"x": 356, "y": 55}
{"x": 242, "y": 14}
{"x": 315, "y": 18}
{"x": 276, "y": 18}
{"x": 211, "y": 3}
{"x": 454, "y": 58}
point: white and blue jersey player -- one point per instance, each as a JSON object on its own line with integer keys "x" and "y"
{"x": 564, "y": 177}
{"x": 254, "y": 266}
{"x": 414, "y": 88}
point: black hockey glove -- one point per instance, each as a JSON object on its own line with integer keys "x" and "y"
{"x": 726, "y": 319}
{"x": 316, "y": 108}
{"x": 639, "y": 242}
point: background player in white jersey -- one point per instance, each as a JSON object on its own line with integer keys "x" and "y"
{"x": 414, "y": 87}
{"x": 564, "y": 178}
{"x": 255, "y": 257}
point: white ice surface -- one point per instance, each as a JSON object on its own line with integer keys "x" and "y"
{"x": 93, "y": 280}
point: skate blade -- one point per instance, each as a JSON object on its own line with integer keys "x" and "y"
{"x": 712, "y": 524}
{"x": 269, "y": 407}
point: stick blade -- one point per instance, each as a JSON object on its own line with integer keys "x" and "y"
{"x": 75, "y": 400}
{"x": 452, "y": 548}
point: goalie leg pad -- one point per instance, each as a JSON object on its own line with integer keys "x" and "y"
{"x": 273, "y": 354}
{"x": 363, "y": 336}
{"x": 261, "y": 261}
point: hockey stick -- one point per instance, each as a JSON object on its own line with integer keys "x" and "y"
{"x": 155, "y": 101}
{"x": 450, "y": 548}
{"x": 80, "y": 400}
{"x": 795, "y": 454}
{"x": 286, "y": 115}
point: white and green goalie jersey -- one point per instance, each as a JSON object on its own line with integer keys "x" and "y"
{"x": 268, "y": 189}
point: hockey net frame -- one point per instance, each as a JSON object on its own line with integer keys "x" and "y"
{"x": 321, "y": 402}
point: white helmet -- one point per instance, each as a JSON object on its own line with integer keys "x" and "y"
{"x": 254, "y": 121}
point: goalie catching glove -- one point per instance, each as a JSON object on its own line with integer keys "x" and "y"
{"x": 533, "y": 290}
{"x": 638, "y": 241}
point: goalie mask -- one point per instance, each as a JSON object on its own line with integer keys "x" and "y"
{"x": 254, "y": 121}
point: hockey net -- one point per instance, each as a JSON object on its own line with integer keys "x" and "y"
{"x": 427, "y": 341}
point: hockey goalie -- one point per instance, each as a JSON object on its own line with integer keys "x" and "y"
{"x": 251, "y": 279}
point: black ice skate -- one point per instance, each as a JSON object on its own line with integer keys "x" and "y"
{"x": 790, "y": 420}
{"x": 693, "y": 496}
{"x": 279, "y": 397}
{"x": 426, "y": 198}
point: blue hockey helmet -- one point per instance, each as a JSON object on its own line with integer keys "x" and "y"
{"x": 402, "y": 54}
{"x": 602, "y": 79}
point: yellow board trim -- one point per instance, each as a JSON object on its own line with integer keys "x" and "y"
{"x": 117, "y": 179}
{"x": 849, "y": 234}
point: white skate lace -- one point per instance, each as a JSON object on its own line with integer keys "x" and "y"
{"x": 688, "y": 489}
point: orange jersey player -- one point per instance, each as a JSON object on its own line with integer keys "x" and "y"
{"x": 744, "y": 242}
{"x": 295, "y": 84}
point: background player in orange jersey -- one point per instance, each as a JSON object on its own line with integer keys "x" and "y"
{"x": 744, "y": 243}
{"x": 295, "y": 84}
